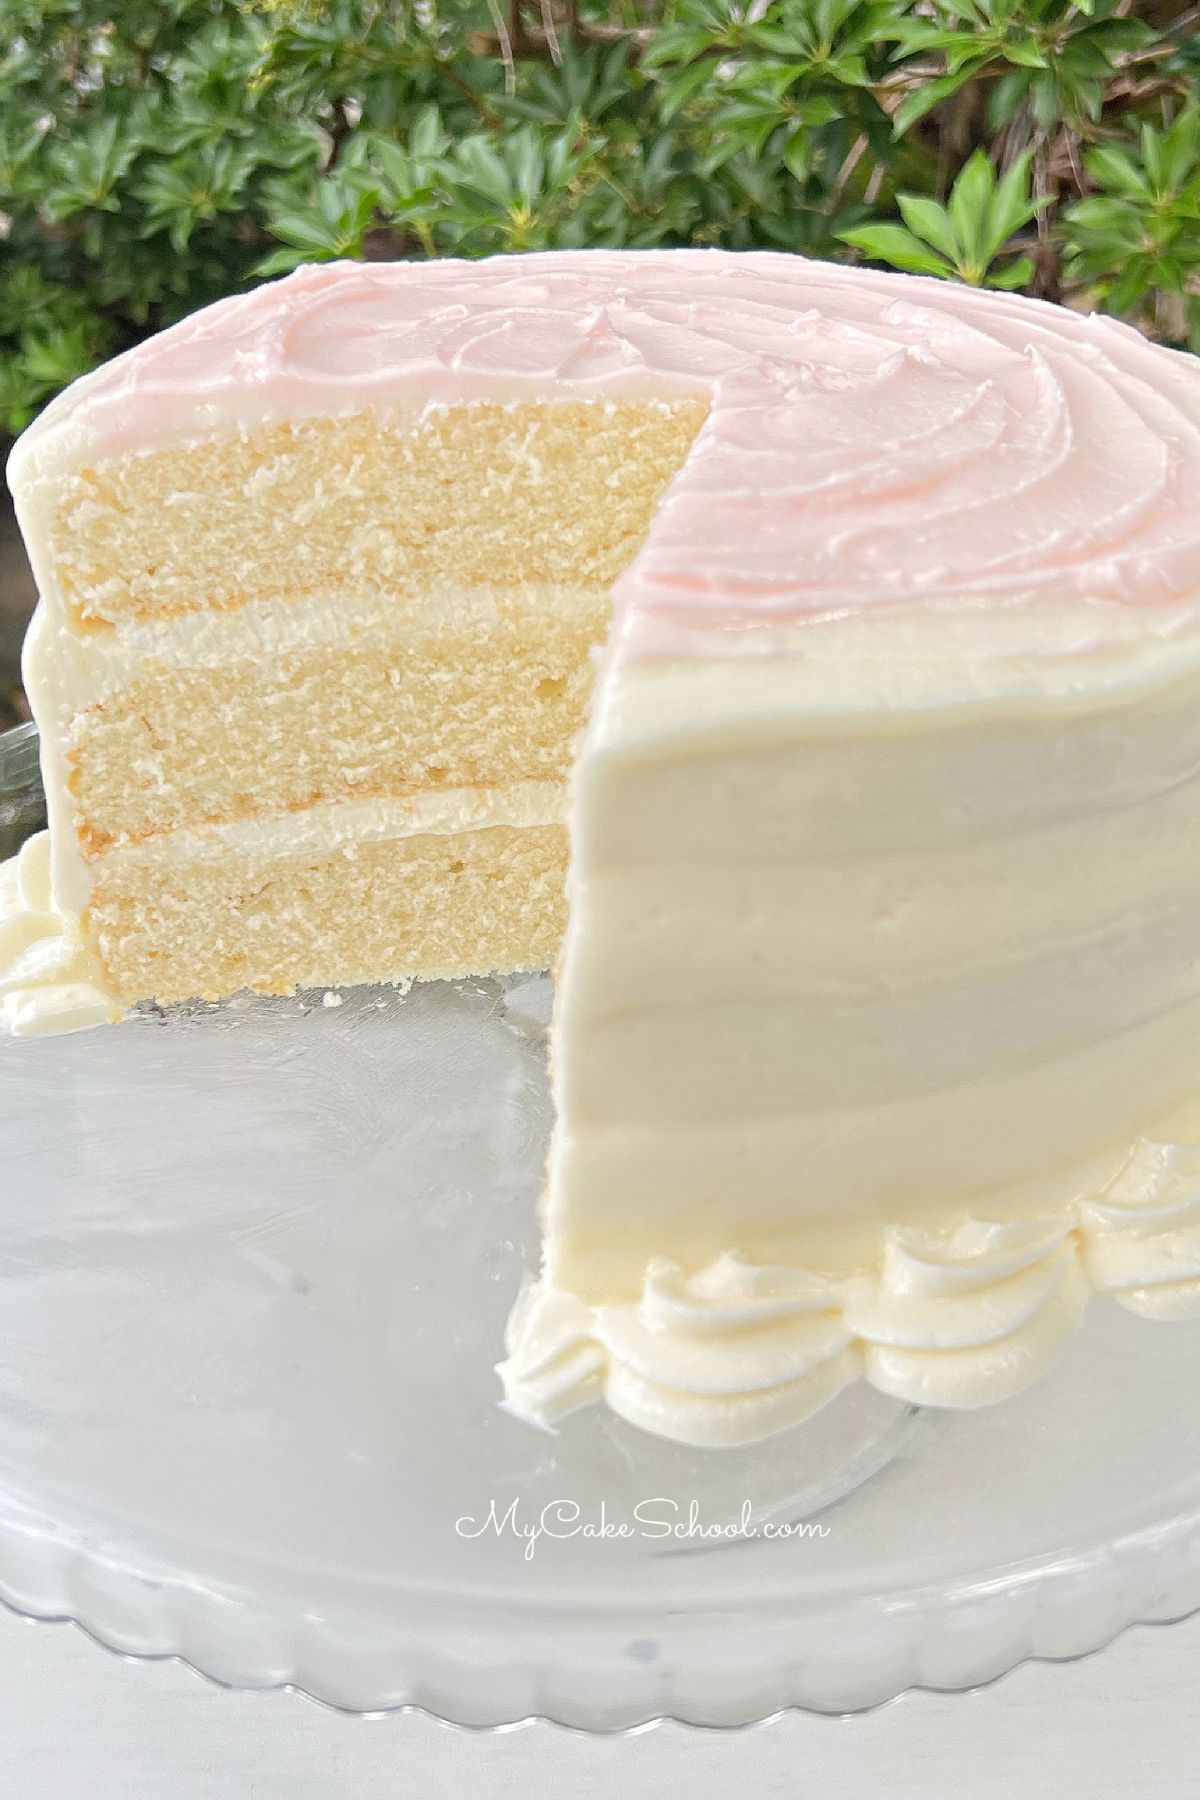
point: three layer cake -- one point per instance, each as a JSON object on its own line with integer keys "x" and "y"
{"x": 830, "y": 640}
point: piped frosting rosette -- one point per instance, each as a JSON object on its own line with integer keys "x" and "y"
{"x": 46, "y": 980}
{"x": 968, "y": 1317}
{"x": 724, "y": 1356}
{"x": 1142, "y": 1236}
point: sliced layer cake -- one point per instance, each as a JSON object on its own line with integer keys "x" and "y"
{"x": 875, "y": 1040}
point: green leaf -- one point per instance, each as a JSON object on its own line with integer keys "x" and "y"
{"x": 930, "y": 94}
{"x": 930, "y": 221}
{"x": 1113, "y": 167}
{"x": 892, "y": 244}
{"x": 1012, "y": 205}
{"x": 683, "y": 85}
{"x": 1027, "y": 55}
{"x": 1153, "y": 158}
{"x": 427, "y": 138}
{"x": 969, "y": 208}
{"x": 282, "y": 262}
{"x": 1106, "y": 215}
{"x": 1016, "y": 274}
{"x": 1181, "y": 150}
{"x": 1007, "y": 98}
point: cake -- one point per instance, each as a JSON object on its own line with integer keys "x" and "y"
{"x": 805, "y": 659}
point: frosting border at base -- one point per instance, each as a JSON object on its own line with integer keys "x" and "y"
{"x": 957, "y": 1318}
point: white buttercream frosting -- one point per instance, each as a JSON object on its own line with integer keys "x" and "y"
{"x": 1142, "y": 1236}
{"x": 332, "y": 825}
{"x": 957, "y": 1318}
{"x": 48, "y": 982}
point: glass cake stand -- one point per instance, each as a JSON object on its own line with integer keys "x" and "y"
{"x": 255, "y": 1262}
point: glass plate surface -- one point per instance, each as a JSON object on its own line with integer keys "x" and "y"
{"x": 255, "y": 1263}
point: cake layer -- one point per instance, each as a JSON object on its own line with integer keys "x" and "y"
{"x": 464, "y": 690}
{"x": 468, "y": 497}
{"x": 446, "y": 885}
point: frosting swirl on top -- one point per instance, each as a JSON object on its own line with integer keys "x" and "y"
{"x": 873, "y": 438}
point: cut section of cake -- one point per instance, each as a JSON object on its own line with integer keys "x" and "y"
{"x": 308, "y": 689}
{"x": 875, "y": 1040}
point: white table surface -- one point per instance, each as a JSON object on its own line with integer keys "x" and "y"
{"x": 79, "y": 1724}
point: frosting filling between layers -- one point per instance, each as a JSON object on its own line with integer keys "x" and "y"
{"x": 341, "y": 824}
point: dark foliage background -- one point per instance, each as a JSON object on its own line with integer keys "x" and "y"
{"x": 153, "y": 157}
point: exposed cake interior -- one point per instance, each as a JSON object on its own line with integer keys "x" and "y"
{"x": 329, "y": 673}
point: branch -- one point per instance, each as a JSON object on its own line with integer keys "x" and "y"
{"x": 546, "y": 42}
{"x": 503, "y": 44}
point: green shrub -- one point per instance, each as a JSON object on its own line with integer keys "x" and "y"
{"x": 153, "y": 157}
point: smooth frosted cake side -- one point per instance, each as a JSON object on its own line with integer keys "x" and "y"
{"x": 880, "y": 984}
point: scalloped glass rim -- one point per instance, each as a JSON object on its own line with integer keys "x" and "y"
{"x": 443, "y": 1711}
{"x": 215, "y": 1635}
{"x": 256, "y": 1261}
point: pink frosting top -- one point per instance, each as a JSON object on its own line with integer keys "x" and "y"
{"x": 872, "y": 437}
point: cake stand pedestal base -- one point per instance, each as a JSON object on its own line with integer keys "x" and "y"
{"x": 256, "y": 1261}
